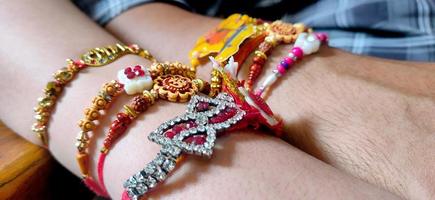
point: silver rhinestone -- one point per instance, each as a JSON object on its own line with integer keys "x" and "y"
{"x": 202, "y": 119}
{"x": 130, "y": 182}
{"x": 225, "y": 125}
{"x": 150, "y": 168}
{"x": 196, "y": 148}
{"x": 211, "y": 137}
{"x": 141, "y": 188}
{"x": 168, "y": 165}
{"x": 201, "y": 128}
{"x": 159, "y": 159}
{"x": 139, "y": 177}
{"x": 160, "y": 174}
{"x": 151, "y": 182}
{"x": 193, "y": 131}
{"x": 131, "y": 193}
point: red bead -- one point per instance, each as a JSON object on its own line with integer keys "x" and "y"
{"x": 116, "y": 129}
{"x": 289, "y": 61}
{"x": 124, "y": 118}
{"x": 298, "y": 52}
{"x": 107, "y": 143}
{"x": 259, "y": 60}
{"x": 255, "y": 67}
{"x": 281, "y": 69}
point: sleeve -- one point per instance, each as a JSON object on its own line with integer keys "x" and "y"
{"x": 396, "y": 29}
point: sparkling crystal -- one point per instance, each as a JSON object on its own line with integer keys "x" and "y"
{"x": 159, "y": 159}
{"x": 211, "y": 137}
{"x": 197, "y": 148}
{"x": 139, "y": 177}
{"x": 201, "y": 128}
{"x": 202, "y": 119}
{"x": 141, "y": 188}
{"x": 168, "y": 165}
{"x": 225, "y": 125}
{"x": 130, "y": 182}
{"x": 160, "y": 174}
{"x": 151, "y": 182}
{"x": 150, "y": 168}
{"x": 131, "y": 192}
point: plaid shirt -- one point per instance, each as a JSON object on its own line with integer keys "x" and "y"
{"x": 396, "y": 29}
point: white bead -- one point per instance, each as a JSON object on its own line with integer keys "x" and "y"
{"x": 308, "y": 42}
{"x": 270, "y": 80}
{"x": 137, "y": 84}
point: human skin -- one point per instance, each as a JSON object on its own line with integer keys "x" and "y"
{"x": 333, "y": 105}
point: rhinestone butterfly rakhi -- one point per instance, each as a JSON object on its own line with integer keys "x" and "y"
{"x": 195, "y": 132}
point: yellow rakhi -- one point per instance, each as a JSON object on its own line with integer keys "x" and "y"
{"x": 224, "y": 41}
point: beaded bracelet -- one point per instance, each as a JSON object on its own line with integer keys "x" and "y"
{"x": 106, "y": 95}
{"x": 195, "y": 131}
{"x": 305, "y": 44}
{"x": 277, "y": 33}
{"x": 170, "y": 83}
{"x": 95, "y": 58}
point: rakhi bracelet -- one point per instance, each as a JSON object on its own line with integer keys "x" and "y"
{"x": 95, "y": 58}
{"x": 277, "y": 33}
{"x": 101, "y": 102}
{"x": 305, "y": 44}
{"x": 131, "y": 80}
{"x": 195, "y": 131}
{"x": 170, "y": 85}
{"x": 238, "y": 35}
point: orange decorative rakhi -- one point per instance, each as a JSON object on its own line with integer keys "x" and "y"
{"x": 225, "y": 40}
{"x": 94, "y": 58}
{"x": 238, "y": 35}
{"x": 277, "y": 33}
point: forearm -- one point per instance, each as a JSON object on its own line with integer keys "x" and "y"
{"x": 371, "y": 117}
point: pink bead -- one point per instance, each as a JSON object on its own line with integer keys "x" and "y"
{"x": 298, "y": 52}
{"x": 289, "y": 61}
{"x": 281, "y": 69}
{"x": 323, "y": 37}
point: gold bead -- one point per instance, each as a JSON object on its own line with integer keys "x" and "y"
{"x": 92, "y": 113}
{"x": 64, "y": 75}
{"x": 99, "y": 102}
{"x": 47, "y": 101}
{"x": 129, "y": 111}
{"x": 86, "y": 125}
